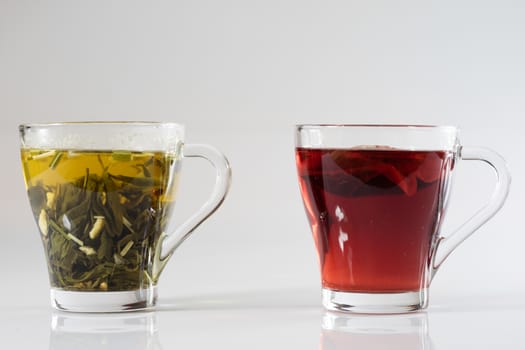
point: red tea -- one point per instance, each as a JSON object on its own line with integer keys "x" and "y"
{"x": 374, "y": 214}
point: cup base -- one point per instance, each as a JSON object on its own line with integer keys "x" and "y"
{"x": 74, "y": 301}
{"x": 375, "y": 303}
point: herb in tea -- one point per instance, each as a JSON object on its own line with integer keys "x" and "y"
{"x": 100, "y": 214}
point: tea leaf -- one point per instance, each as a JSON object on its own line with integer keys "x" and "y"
{"x": 126, "y": 223}
{"x": 50, "y": 199}
{"x": 104, "y": 167}
{"x": 58, "y": 229}
{"x": 116, "y": 213}
{"x": 146, "y": 171}
{"x": 37, "y": 199}
{"x": 121, "y": 156}
{"x": 97, "y": 227}
{"x": 55, "y": 160}
{"x": 88, "y": 250}
{"x": 149, "y": 161}
{"x": 118, "y": 259}
{"x": 102, "y": 228}
{"x": 42, "y": 222}
{"x": 74, "y": 239}
{"x": 105, "y": 248}
{"x": 136, "y": 181}
{"x": 126, "y": 248}
{"x": 40, "y": 155}
{"x": 86, "y": 179}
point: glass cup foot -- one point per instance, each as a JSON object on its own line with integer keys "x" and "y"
{"x": 374, "y": 303}
{"x": 74, "y": 301}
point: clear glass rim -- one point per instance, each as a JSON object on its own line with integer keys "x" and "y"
{"x": 81, "y": 135}
{"x": 110, "y": 122}
{"x": 400, "y": 136}
{"x": 375, "y": 126}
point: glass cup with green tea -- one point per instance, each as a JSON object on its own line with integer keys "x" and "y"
{"x": 102, "y": 195}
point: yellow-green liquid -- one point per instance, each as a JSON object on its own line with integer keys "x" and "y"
{"x": 100, "y": 214}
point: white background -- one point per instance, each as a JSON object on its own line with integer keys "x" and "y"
{"x": 239, "y": 75}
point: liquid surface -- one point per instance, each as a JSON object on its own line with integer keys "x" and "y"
{"x": 100, "y": 214}
{"x": 374, "y": 214}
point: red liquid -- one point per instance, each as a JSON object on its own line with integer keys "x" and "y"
{"x": 374, "y": 214}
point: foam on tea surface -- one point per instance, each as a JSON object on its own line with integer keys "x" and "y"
{"x": 105, "y": 136}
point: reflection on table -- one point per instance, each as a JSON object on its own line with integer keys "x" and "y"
{"x": 373, "y": 332}
{"x": 136, "y": 330}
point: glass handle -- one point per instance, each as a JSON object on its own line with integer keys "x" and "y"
{"x": 446, "y": 245}
{"x": 169, "y": 242}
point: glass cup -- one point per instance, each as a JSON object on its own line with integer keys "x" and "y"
{"x": 375, "y": 197}
{"x": 102, "y": 195}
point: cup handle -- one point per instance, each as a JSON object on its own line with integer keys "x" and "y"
{"x": 446, "y": 245}
{"x": 169, "y": 242}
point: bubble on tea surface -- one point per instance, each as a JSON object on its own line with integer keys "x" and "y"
{"x": 105, "y": 137}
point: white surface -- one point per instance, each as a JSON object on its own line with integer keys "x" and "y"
{"x": 280, "y": 319}
{"x": 239, "y": 74}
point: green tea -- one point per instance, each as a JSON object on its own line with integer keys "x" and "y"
{"x": 100, "y": 214}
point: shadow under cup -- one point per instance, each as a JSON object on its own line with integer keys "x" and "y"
{"x": 375, "y": 198}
